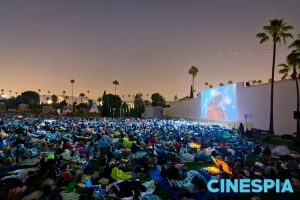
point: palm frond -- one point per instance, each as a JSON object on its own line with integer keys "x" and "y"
{"x": 295, "y": 44}
{"x": 263, "y": 37}
{"x": 285, "y": 69}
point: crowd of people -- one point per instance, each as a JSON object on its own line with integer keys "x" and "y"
{"x": 74, "y": 158}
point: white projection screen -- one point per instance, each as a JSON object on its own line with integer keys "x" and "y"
{"x": 219, "y": 103}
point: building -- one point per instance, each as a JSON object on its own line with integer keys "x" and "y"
{"x": 153, "y": 112}
{"x": 46, "y": 99}
{"x": 23, "y": 107}
{"x": 94, "y": 109}
{"x": 47, "y": 110}
{"x": 252, "y": 106}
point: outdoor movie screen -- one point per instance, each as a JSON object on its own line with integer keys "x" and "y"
{"x": 219, "y": 103}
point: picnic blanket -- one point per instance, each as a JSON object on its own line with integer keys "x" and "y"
{"x": 180, "y": 183}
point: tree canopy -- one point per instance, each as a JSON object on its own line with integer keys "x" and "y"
{"x": 29, "y": 97}
{"x": 158, "y": 100}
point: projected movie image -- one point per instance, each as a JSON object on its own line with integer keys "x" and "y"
{"x": 219, "y": 103}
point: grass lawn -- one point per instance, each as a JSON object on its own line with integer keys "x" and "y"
{"x": 197, "y": 165}
{"x": 291, "y": 144}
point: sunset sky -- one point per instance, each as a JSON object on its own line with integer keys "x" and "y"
{"x": 148, "y": 46}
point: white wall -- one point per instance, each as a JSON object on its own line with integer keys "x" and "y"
{"x": 153, "y": 111}
{"x": 254, "y": 101}
{"x": 189, "y": 109}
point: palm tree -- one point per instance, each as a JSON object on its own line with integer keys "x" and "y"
{"x": 2, "y": 90}
{"x": 293, "y": 65}
{"x": 259, "y": 81}
{"x": 39, "y": 90}
{"x": 193, "y": 71}
{"x": 296, "y": 44}
{"x": 72, "y": 81}
{"x": 81, "y": 96}
{"x": 211, "y": 86}
{"x": 206, "y": 84}
{"x": 230, "y": 82}
{"x": 254, "y": 82}
{"x": 278, "y": 31}
{"x": 221, "y": 84}
{"x": 10, "y": 91}
{"x": 16, "y": 93}
{"x": 175, "y": 98}
{"x": 115, "y": 82}
{"x": 49, "y": 92}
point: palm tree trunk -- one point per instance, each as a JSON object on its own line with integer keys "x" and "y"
{"x": 73, "y": 98}
{"x": 115, "y": 89}
{"x": 72, "y": 95}
{"x": 297, "y": 92}
{"x": 271, "y": 126}
{"x": 193, "y": 85}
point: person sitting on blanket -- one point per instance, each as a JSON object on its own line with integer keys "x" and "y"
{"x": 128, "y": 189}
{"x": 173, "y": 171}
{"x": 66, "y": 175}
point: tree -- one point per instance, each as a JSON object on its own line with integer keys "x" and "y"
{"x": 175, "y": 98}
{"x": 30, "y": 98}
{"x": 193, "y": 71}
{"x": 230, "y": 82}
{"x": 158, "y": 100}
{"x": 278, "y": 31}
{"x": 10, "y": 91}
{"x": 2, "y": 91}
{"x": 211, "y": 86}
{"x": 81, "y": 95}
{"x": 221, "y": 84}
{"x": 139, "y": 106}
{"x": 63, "y": 103}
{"x": 296, "y": 44}
{"x": 191, "y": 92}
{"x": 39, "y": 90}
{"x": 114, "y": 103}
{"x": 90, "y": 103}
{"x": 54, "y": 99}
{"x": 105, "y": 105}
{"x": 254, "y": 82}
{"x": 116, "y": 83}
{"x": 72, "y": 81}
{"x": 147, "y": 103}
{"x": 293, "y": 65}
{"x": 259, "y": 81}
{"x": 206, "y": 84}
